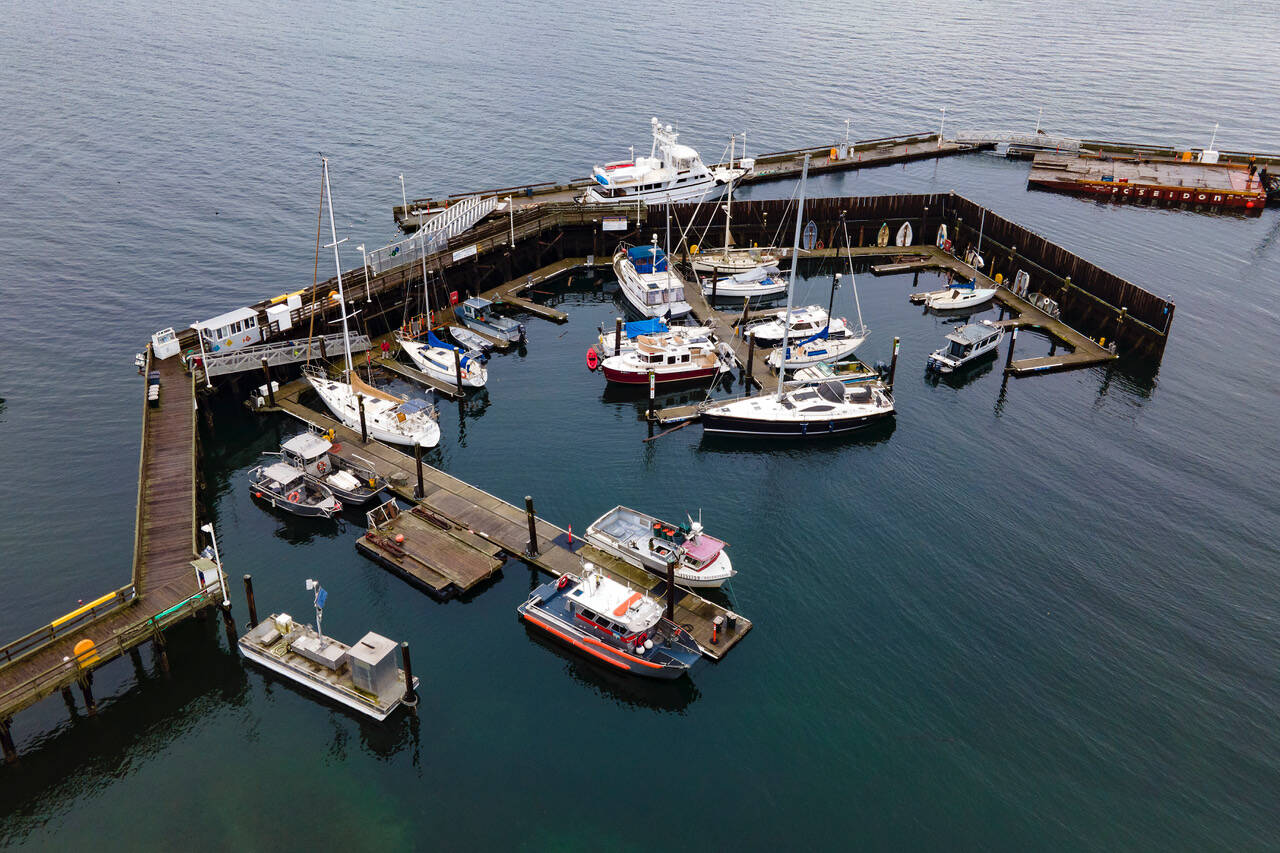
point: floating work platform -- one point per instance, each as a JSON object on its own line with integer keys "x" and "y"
{"x": 480, "y": 514}
{"x": 1159, "y": 181}
{"x": 426, "y": 549}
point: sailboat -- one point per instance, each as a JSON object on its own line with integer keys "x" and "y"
{"x": 727, "y": 261}
{"x": 809, "y": 411}
{"x": 825, "y": 346}
{"x": 387, "y": 417}
{"x": 434, "y": 357}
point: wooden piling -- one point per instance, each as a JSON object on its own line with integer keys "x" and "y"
{"x": 652, "y": 387}
{"x": 893, "y": 364}
{"x": 229, "y": 625}
{"x": 532, "y": 550}
{"x": 1013, "y": 339}
{"x": 162, "y": 656}
{"x": 419, "y": 492}
{"x": 6, "y": 742}
{"x": 457, "y": 369}
{"x": 617, "y": 336}
{"x": 253, "y": 605}
{"x": 364, "y": 430}
{"x": 410, "y": 698}
{"x": 266, "y": 372}
{"x": 86, "y": 690}
{"x": 671, "y": 588}
{"x": 70, "y": 699}
{"x": 751, "y": 359}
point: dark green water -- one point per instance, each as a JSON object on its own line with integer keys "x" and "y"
{"x": 1038, "y": 614}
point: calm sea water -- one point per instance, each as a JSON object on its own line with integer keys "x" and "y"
{"x": 1034, "y": 614}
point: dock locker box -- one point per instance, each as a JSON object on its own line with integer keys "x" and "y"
{"x": 373, "y": 664}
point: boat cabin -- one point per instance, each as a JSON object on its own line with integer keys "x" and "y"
{"x": 230, "y": 331}
{"x": 307, "y": 447}
{"x": 603, "y": 603}
{"x": 477, "y": 309}
{"x": 969, "y": 339}
{"x": 281, "y": 477}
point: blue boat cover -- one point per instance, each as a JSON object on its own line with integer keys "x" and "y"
{"x": 432, "y": 340}
{"x": 648, "y": 259}
{"x": 653, "y": 326}
{"x": 409, "y": 407}
{"x": 819, "y": 335}
{"x": 963, "y": 285}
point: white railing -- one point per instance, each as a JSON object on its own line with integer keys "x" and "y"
{"x": 434, "y": 234}
{"x": 1015, "y": 138}
{"x": 279, "y": 353}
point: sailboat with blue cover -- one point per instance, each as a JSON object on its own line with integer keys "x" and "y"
{"x": 444, "y": 361}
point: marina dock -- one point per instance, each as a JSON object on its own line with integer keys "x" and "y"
{"x": 1152, "y": 180}
{"x": 164, "y": 588}
{"x": 467, "y": 509}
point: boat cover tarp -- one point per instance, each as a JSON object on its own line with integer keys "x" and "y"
{"x": 819, "y": 335}
{"x": 756, "y": 274}
{"x": 648, "y": 259}
{"x": 410, "y": 407}
{"x": 652, "y": 326}
{"x": 432, "y": 340}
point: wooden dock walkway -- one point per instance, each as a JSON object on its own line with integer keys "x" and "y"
{"x": 164, "y": 587}
{"x": 506, "y": 526}
{"x": 439, "y": 556}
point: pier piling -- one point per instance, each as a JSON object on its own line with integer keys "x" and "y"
{"x": 253, "y": 605}
{"x": 617, "y": 336}
{"x": 229, "y": 625}
{"x": 532, "y": 550}
{"x": 751, "y": 359}
{"x": 266, "y": 373}
{"x": 410, "y": 698}
{"x": 417, "y": 461}
{"x": 457, "y": 369}
{"x": 70, "y": 699}
{"x": 364, "y": 430}
{"x": 162, "y": 656}
{"x": 1008, "y": 358}
{"x": 86, "y": 690}
{"x": 652, "y": 387}
{"x": 671, "y": 588}
{"x": 6, "y": 742}
{"x": 893, "y": 365}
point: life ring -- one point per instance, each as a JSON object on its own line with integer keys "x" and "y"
{"x": 293, "y": 497}
{"x": 563, "y": 582}
{"x": 820, "y": 246}
{"x": 322, "y": 466}
{"x": 246, "y": 339}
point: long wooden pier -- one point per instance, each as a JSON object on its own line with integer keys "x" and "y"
{"x": 164, "y": 587}
{"x": 470, "y": 510}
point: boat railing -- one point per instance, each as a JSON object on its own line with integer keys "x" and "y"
{"x": 383, "y": 514}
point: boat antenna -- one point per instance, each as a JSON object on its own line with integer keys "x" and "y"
{"x": 791, "y": 286}
{"x": 337, "y": 263}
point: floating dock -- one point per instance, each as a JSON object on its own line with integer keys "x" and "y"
{"x": 464, "y": 507}
{"x": 426, "y": 549}
{"x": 1147, "y": 180}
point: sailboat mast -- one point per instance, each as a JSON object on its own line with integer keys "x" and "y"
{"x": 852, "y": 281}
{"x": 728, "y": 207}
{"x": 795, "y": 263}
{"x": 337, "y": 264}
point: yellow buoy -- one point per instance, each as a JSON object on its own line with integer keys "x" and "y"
{"x": 86, "y": 653}
{"x": 999, "y": 277}
{"x": 693, "y": 250}
{"x": 835, "y": 155}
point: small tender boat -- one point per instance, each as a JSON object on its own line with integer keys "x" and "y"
{"x": 363, "y": 677}
{"x": 966, "y": 345}
{"x": 671, "y": 357}
{"x": 612, "y": 623}
{"x": 648, "y": 282}
{"x": 959, "y": 296}
{"x": 288, "y": 487}
{"x": 817, "y": 349}
{"x": 756, "y": 282}
{"x": 804, "y": 322}
{"x": 470, "y": 341}
{"x": 350, "y": 482}
{"x": 648, "y": 542}
{"x": 443, "y": 361}
{"x": 671, "y": 172}
{"x": 478, "y": 314}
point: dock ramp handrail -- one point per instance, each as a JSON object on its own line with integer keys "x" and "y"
{"x": 435, "y": 232}
{"x": 278, "y": 353}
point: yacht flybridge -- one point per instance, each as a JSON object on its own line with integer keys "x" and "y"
{"x": 387, "y": 417}
{"x": 671, "y": 172}
{"x": 648, "y": 282}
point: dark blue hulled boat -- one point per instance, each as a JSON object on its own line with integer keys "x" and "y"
{"x": 612, "y": 623}
{"x": 477, "y": 313}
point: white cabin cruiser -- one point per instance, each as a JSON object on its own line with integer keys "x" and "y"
{"x": 671, "y": 172}
{"x": 671, "y": 357}
{"x": 958, "y": 297}
{"x": 965, "y": 345}
{"x": 805, "y": 321}
{"x": 625, "y": 340}
{"x": 648, "y": 282}
{"x": 647, "y": 542}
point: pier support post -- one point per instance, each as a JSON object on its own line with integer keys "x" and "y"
{"x": 324, "y": 353}
{"x": 6, "y": 742}
{"x": 69, "y": 698}
{"x": 135, "y": 657}
{"x": 671, "y": 588}
{"x": 532, "y": 550}
{"x": 617, "y": 336}
{"x": 86, "y": 690}
{"x": 746, "y": 311}
{"x": 253, "y": 605}
{"x": 229, "y": 625}
{"x": 162, "y": 656}
{"x": 417, "y": 462}
{"x": 1008, "y": 358}
{"x": 1115, "y": 338}
{"x": 893, "y": 364}
{"x": 715, "y": 287}
{"x": 457, "y": 369}
{"x": 266, "y": 372}
{"x": 364, "y": 430}
{"x": 751, "y": 359}
{"x": 652, "y": 386}
{"x": 410, "y": 698}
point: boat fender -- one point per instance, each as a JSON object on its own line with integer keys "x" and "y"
{"x": 293, "y": 497}
{"x": 563, "y": 582}
{"x": 322, "y": 466}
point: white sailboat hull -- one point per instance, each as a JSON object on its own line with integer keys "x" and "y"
{"x": 817, "y": 352}
{"x": 380, "y": 423}
{"x": 438, "y": 364}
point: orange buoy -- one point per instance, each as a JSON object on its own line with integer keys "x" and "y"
{"x": 399, "y": 538}
{"x": 86, "y": 652}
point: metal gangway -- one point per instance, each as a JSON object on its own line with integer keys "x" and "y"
{"x": 434, "y": 234}
{"x": 279, "y": 353}
{"x": 1016, "y": 139}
